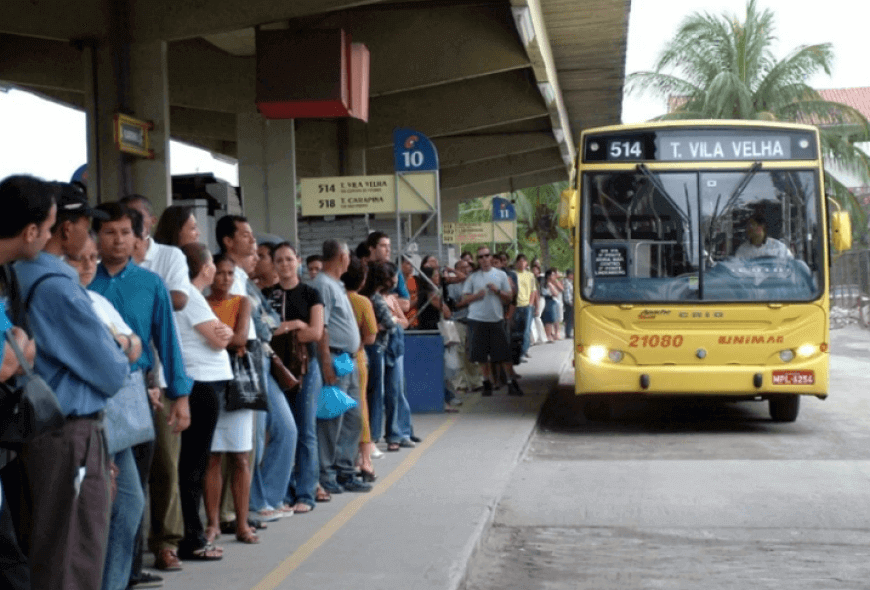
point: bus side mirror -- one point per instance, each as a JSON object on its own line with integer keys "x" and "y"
{"x": 841, "y": 231}
{"x": 568, "y": 208}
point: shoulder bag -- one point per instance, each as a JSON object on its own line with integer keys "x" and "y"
{"x": 128, "y": 418}
{"x": 243, "y": 391}
{"x": 29, "y": 410}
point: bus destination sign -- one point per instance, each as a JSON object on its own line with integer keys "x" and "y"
{"x": 711, "y": 147}
{"x": 678, "y": 145}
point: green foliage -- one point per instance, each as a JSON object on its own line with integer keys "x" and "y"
{"x": 718, "y": 67}
{"x": 538, "y": 233}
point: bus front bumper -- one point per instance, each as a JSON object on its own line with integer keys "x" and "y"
{"x": 593, "y": 377}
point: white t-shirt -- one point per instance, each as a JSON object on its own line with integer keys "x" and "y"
{"x": 169, "y": 263}
{"x": 490, "y": 308}
{"x": 202, "y": 362}
{"x": 770, "y": 247}
{"x": 240, "y": 282}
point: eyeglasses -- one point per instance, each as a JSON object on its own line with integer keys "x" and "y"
{"x": 479, "y": 256}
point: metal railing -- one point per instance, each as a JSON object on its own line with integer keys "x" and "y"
{"x": 850, "y": 289}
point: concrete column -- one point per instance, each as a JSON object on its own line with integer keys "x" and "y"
{"x": 107, "y": 175}
{"x": 267, "y": 173}
{"x": 351, "y": 147}
{"x": 149, "y": 101}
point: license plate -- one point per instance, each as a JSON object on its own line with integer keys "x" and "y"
{"x": 794, "y": 377}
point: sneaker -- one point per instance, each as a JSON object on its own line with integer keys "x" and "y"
{"x": 514, "y": 389}
{"x": 407, "y": 443}
{"x": 377, "y": 453}
{"x": 417, "y": 439}
{"x": 146, "y": 580}
{"x": 353, "y": 484}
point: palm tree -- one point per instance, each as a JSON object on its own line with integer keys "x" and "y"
{"x": 725, "y": 69}
{"x": 537, "y": 219}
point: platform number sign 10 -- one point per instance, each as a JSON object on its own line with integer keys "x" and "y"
{"x": 413, "y": 159}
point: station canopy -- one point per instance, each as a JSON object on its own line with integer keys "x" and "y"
{"x": 502, "y": 88}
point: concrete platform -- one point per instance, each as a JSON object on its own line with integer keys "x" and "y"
{"x": 419, "y": 526}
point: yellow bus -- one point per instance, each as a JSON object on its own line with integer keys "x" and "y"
{"x": 702, "y": 260}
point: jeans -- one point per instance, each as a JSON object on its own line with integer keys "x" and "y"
{"x": 273, "y": 464}
{"x": 338, "y": 439}
{"x": 569, "y": 321}
{"x": 193, "y": 460}
{"x": 396, "y": 405}
{"x": 523, "y": 316}
{"x": 375, "y": 393}
{"x": 127, "y": 511}
{"x": 303, "y": 482}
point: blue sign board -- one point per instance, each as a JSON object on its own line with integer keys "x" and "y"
{"x": 413, "y": 152}
{"x": 503, "y": 210}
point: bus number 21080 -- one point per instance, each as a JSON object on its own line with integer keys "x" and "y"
{"x": 654, "y": 340}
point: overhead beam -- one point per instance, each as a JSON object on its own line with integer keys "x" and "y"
{"x": 182, "y": 19}
{"x": 61, "y": 20}
{"x": 203, "y": 124}
{"x": 459, "y": 151}
{"x": 41, "y": 63}
{"x": 513, "y": 165}
{"x": 450, "y": 197}
{"x": 204, "y": 77}
{"x": 452, "y": 109}
{"x": 423, "y": 47}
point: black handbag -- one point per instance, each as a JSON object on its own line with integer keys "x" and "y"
{"x": 29, "y": 410}
{"x": 243, "y": 391}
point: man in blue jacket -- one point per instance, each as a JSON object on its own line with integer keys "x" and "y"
{"x": 67, "y": 471}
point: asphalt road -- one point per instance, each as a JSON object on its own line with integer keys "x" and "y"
{"x": 692, "y": 495}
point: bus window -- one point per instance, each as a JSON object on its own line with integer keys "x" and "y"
{"x": 760, "y": 233}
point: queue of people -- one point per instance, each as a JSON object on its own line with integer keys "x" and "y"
{"x": 214, "y": 362}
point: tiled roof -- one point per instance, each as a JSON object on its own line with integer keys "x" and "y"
{"x": 857, "y": 98}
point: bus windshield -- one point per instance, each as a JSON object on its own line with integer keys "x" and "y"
{"x": 677, "y": 236}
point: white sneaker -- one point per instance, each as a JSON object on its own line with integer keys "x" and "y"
{"x": 377, "y": 453}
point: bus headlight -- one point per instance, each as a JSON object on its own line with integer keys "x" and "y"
{"x": 597, "y": 353}
{"x": 807, "y": 350}
{"x": 615, "y": 355}
{"x": 787, "y": 355}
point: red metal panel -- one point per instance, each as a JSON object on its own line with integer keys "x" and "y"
{"x": 359, "y": 81}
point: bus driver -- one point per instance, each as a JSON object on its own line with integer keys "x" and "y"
{"x": 760, "y": 244}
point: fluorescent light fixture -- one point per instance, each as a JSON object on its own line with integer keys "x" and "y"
{"x": 523, "y": 20}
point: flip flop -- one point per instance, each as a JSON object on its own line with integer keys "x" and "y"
{"x": 249, "y": 537}
{"x": 302, "y": 508}
{"x": 322, "y": 495}
{"x": 207, "y": 553}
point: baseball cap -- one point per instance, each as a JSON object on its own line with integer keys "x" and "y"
{"x": 71, "y": 200}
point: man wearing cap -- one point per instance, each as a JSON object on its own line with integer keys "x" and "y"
{"x": 74, "y": 214}
{"x": 65, "y": 528}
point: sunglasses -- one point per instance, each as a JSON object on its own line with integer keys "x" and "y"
{"x": 479, "y": 256}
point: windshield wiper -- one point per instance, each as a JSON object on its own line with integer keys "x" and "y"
{"x": 735, "y": 194}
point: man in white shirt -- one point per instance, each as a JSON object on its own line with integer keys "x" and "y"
{"x": 760, "y": 245}
{"x": 167, "y": 523}
{"x": 486, "y": 292}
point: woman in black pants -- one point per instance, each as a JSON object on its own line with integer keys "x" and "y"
{"x": 203, "y": 342}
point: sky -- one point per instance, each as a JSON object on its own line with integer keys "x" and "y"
{"x": 48, "y": 140}
{"x": 798, "y": 22}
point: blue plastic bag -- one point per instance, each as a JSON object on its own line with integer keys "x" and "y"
{"x": 333, "y": 402}
{"x": 343, "y": 365}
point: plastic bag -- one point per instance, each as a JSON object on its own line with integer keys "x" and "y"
{"x": 333, "y": 402}
{"x": 343, "y": 365}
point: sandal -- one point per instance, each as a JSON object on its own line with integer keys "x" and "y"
{"x": 249, "y": 537}
{"x": 207, "y": 553}
{"x": 322, "y": 495}
{"x": 302, "y": 508}
{"x": 211, "y": 533}
{"x": 393, "y": 447}
{"x": 284, "y": 510}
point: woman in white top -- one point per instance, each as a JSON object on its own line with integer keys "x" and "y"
{"x": 203, "y": 343}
